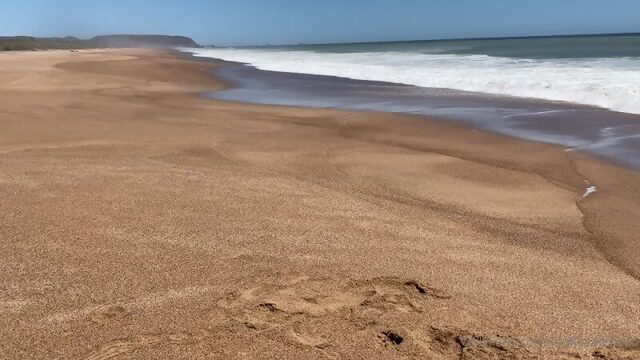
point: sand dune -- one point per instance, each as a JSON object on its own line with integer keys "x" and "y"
{"x": 142, "y": 221}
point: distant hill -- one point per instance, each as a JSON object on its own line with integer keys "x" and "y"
{"x": 105, "y": 41}
{"x": 153, "y": 41}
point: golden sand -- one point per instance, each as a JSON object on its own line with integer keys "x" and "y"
{"x": 139, "y": 220}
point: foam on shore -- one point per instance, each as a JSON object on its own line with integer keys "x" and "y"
{"x": 611, "y": 83}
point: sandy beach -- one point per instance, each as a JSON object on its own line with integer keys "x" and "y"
{"x": 139, "y": 219}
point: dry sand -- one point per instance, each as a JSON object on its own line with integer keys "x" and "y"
{"x": 138, "y": 220}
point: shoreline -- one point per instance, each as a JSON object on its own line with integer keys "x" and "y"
{"x": 590, "y": 188}
{"x": 574, "y": 126}
{"x": 299, "y": 231}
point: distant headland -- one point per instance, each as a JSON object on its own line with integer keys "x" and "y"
{"x": 104, "y": 41}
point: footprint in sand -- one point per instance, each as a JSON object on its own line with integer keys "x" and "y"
{"x": 319, "y": 297}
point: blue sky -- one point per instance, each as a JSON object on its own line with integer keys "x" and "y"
{"x": 244, "y": 22}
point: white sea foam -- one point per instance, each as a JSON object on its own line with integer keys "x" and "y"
{"x": 609, "y": 83}
{"x": 590, "y": 190}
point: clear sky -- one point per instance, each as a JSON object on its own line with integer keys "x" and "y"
{"x": 245, "y": 22}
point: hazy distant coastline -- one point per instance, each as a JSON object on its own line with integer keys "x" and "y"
{"x": 16, "y": 43}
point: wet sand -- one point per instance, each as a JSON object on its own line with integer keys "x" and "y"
{"x": 142, "y": 220}
{"x": 615, "y": 136}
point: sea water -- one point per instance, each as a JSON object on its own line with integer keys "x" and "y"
{"x": 577, "y": 91}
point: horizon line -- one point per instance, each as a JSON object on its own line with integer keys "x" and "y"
{"x": 443, "y": 39}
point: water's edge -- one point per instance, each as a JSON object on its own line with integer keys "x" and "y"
{"x": 610, "y": 135}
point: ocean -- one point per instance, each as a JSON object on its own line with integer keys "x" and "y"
{"x": 582, "y": 92}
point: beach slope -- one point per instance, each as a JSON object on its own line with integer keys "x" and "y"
{"x": 139, "y": 219}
